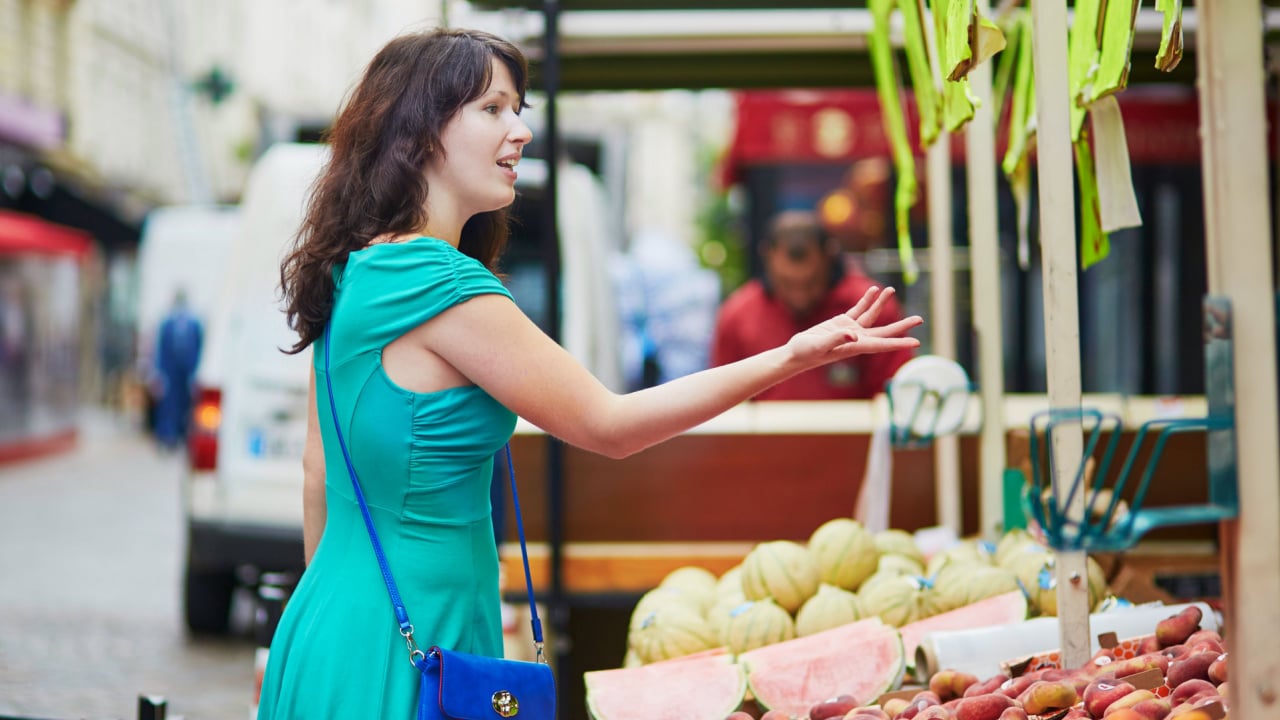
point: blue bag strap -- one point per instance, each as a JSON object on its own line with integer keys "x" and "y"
{"x": 416, "y": 656}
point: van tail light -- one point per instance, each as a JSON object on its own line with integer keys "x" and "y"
{"x": 206, "y": 418}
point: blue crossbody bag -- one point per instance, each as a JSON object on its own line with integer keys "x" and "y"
{"x": 474, "y": 687}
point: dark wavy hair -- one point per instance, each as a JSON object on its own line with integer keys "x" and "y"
{"x": 381, "y": 141}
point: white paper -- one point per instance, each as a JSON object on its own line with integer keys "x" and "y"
{"x": 981, "y": 650}
{"x": 1117, "y": 203}
{"x": 872, "y": 509}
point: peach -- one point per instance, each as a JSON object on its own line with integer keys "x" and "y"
{"x": 923, "y": 699}
{"x": 1142, "y": 663}
{"x": 1191, "y": 667}
{"x": 1149, "y": 644}
{"x": 1225, "y": 690}
{"x": 740, "y": 716}
{"x": 1124, "y": 714}
{"x": 1128, "y": 701}
{"x": 868, "y": 713}
{"x": 1045, "y": 695}
{"x": 1153, "y": 708}
{"x": 1101, "y": 693}
{"x": 1013, "y": 713}
{"x": 775, "y": 715}
{"x": 951, "y": 684}
{"x": 893, "y": 707}
{"x": 1218, "y": 669}
{"x": 1175, "y": 629}
{"x": 1176, "y": 652}
{"x": 836, "y": 707}
{"x": 935, "y": 712}
{"x": 1202, "y": 636}
{"x": 984, "y": 707}
{"x": 1016, "y": 686}
{"x": 987, "y": 686}
{"x": 1189, "y": 689}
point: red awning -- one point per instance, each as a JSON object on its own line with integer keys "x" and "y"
{"x": 776, "y": 127}
{"x": 22, "y": 233}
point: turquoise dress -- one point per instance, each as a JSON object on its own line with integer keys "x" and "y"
{"x": 424, "y": 461}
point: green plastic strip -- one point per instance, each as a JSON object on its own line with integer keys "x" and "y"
{"x": 895, "y": 127}
{"x": 1170, "y": 52}
{"x": 1095, "y": 245}
{"x": 1082, "y": 60}
{"x": 1115, "y": 48}
{"x": 1016, "y": 164}
{"x": 928, "y": 103}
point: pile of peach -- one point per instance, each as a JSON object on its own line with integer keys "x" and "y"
{"x": 1192, "y": 663}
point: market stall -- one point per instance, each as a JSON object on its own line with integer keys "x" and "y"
{"x": 685, "y": 531}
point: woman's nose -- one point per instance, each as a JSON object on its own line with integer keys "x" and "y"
{"x": 520, "y": 132}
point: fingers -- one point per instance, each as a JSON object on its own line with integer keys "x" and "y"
{"x": 864, "y": 303}
{"x": 894, "y": 329}
{"x": 868, "y": 318}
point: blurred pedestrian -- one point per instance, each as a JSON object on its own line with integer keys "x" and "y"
{"x": 805, "y": 281}
{"x": 178, "y": 344}
{"x": 422, "y": 361}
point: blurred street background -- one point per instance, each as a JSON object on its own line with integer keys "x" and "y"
{"x": 89, "y": 602}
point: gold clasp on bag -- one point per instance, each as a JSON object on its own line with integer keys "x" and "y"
{"x": 505, "y": 704}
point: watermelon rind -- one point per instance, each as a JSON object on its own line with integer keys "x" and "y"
{"x": 861, "y": 638}
{"x": 664, "y": 677}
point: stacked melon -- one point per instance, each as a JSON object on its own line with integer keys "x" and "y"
{"x": 784, "y": 589}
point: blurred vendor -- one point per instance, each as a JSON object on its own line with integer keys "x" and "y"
{"x": 805, "y": 281}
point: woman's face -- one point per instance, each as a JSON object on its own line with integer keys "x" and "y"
{"x": 481, "y": 144}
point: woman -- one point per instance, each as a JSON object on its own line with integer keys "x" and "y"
{"x": 431, "y": 361}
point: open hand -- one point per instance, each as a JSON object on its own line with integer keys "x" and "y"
{"x": 854, "y": 332}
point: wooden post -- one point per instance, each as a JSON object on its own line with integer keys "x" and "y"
{"x": 942, "y": 311}
{"x": 1229, "y": 68}
{"x": 984, "y": 279}
{"x": 942, "y": 294}
{"x": 1061, "y": 313}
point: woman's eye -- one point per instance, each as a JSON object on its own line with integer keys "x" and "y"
{"x": 491, "y": 109}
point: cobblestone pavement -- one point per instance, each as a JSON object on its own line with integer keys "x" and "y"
{"x": 90, "y": 563}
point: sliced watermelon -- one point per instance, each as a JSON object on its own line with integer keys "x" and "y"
{"x": 1003, "y": 609}
{"x": 863, "y": 659}
{"x": 703, "y": 686}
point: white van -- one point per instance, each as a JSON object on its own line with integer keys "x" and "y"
{"x": 243, "y": 493}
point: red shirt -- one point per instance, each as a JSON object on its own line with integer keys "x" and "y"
{"x": 751, "y": 321}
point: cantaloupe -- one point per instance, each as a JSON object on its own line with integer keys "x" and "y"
{"x": 698, "y": 583}
{"x": 898, "y": 600}
{"x": 718, "y": 615}
{"x": 782, "y": 570}
{"x": 756, "y": 624}
{"x": 964, "y": 584}
{"x": 830, "y": 607}
{"x": 898, "y": 565}
{"x": 730, "y": 582}
{"x": 663, "y": 597}
{"x": 898, "y": 542}
{"x": 1039, "y": 578}
{"x": 845, "y": 553}
{"x": 669, "y": 632}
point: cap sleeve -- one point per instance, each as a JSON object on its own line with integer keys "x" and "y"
{"x": 387, "y": 290}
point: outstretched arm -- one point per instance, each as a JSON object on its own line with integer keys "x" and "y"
{"x": 490, "y": 341}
